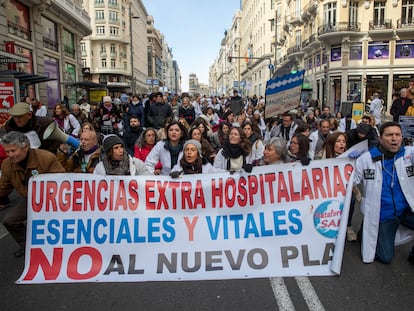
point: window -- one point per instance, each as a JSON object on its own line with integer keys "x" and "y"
{"x": 113, "y": 2}
{"x": 113, "y": 63}
{"x": 298, "y": 37}
{"x": 99, "y": 15}
{"x": 99, "y": 1}
{"x": 298, "y": 8}
{"x": 353, "y": 13}
{"x": 50, "y": 37}
{"x": 100, "y": 30}
{"x": 113, "y": 31}
{"x": 113, "y": 16}
{"x": 407, "y": 12}
{"x": 113, "y": 48}
{"x": 69, "y": 43}
{"x": 103, "y": 62}
{"x": 83, "y": 63}
{"x": 103, "y": 48}
{"x": 379, "y": 12}
{"x": 272, "y": 4}
{"x": 83, "y": 47}
{"x": 329, "y": 12}
{"x": 18, "y": 20}
{"x": 355, "y": 51}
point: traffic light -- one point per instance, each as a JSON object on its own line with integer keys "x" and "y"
{"x": 229, "y": 58}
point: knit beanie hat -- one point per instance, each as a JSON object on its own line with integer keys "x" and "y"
{"x": 107, "y": 99}
{"x": 364, "y": 128}
{"x": 111, "y": 140}
{"x": 194, "y": 142}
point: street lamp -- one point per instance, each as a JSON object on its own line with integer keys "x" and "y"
{"x": 275, "y": 41}
{"x": 131, "y": 17}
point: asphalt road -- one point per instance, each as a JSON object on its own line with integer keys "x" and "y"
{"x": 359, "y": 287}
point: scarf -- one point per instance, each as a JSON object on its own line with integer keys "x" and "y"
{"x": 92, "y": 150}
{"x": 320, "y": 141}
{"x": 117, "y": 167}
{"x": 60, "y": 122}
{"x": 235, "y": 156}
{"x": 232, "y": 150}
{"x": 174, "y": 151}
{"x": 252, "y": 139}
{"x": 192, "y": 168}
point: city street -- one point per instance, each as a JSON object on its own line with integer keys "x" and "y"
{"x": 359, "y": 287}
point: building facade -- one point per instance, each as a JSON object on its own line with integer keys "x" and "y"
{"x": 349, "y": 49}
{"x": 46, "y": 34}
{"x": 115, "y": 53}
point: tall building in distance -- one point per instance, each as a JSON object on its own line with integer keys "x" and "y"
{"x": 115, "y": 52}
{"x": 193, "y": 85}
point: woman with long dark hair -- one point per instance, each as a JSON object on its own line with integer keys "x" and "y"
{"x": 218, "y": 138}
{"x": 169, "y": 150}
{"x": 233, "y": 155}
{"x": 299, "y": 147}
{"x": 257, "y": 146}
{"x": 66, "y": 121}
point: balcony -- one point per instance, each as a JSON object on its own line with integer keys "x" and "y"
{"x": 381, "y": 29}
{"x": 295, "y": 52}
{"x": 19, "y": 31}
{"x": 405, "y": 28}
{"x": 69, "y": 51}
{"x": 309, "y": 10}
{"x": 50, "y": 44}
{"x": 75, "y": 13}
{"x": 313, "y": 41}
{"x": 336, "y": 32}
{"x": 108, "y": 70}
{"x": 294, "y": 19}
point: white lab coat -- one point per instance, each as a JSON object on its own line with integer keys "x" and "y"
{"x": 371, "y": 199}
{"x": 159, "y": 153}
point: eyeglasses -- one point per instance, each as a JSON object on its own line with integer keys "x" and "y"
{"x": 294, "y": 142}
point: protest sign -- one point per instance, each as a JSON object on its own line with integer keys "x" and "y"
{"x": 280, "y": 220}
{"x": 283, "y": 93}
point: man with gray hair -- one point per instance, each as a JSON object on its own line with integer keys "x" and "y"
{"x": 22, "y": 163}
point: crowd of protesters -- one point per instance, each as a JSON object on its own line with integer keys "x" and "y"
{"x": 164, "y": 134}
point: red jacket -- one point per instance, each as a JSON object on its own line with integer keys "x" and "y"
{"x": 142, "y": 153}
{"x": 3, "y": 154}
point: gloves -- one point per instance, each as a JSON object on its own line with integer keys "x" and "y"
{"x": 175, "y": 174}
{"x": 354, "y": 154}
{"x": 248, "y": 168}
{"x": 305, "y": 161}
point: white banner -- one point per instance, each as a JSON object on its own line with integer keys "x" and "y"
{"x": 280, "y": 220}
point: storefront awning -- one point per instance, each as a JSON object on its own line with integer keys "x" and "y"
{"x": 87, "y": 85}
{"x": 9, "y": 58}
{"x": 24, "y": 77}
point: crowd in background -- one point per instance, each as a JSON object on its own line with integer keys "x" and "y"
{"x": 166, "y": 134}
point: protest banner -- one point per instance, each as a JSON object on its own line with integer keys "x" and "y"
{"x": 280, "y": 220}
{"x": 283, "y": 93}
